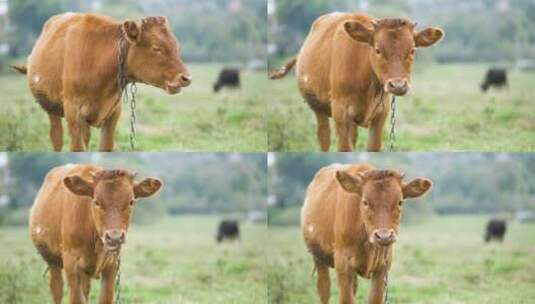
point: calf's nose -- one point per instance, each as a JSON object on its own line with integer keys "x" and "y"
{"x": 185, "y": 79}
{"x": 397, "y": 86}
{"x": 384, "y": 236}
{"x": 114, "y": 237}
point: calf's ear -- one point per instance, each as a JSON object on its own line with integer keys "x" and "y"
{"x": 349, "y": 182}
{"x": 360, "y": 32}
{"x": 147, "y": 187}
{"x": 416, "y": 187}
{"x": 132, "y": 31}
{"x": 78, "y": 185}
{"x": 428, "y": 37}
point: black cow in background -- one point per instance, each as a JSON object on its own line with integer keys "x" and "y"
{"x": 227, "y": 78}
{"x": 495, "y": 230}
{"x": 228, "y": 230}
{"x": 496, "y": 77}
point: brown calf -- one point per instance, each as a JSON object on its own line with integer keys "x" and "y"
{"x": 349, "y": 220}
{"x": 78, "y": 223}
{"x": 348, "y": 66}
{"x": 73, "y": 71}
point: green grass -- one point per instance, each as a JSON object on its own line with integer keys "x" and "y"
{"x": 443, "y": 260}
{"x": 445, "y": 111}
{"x": 173, "y": 261}
{"x": 195, "y": 120}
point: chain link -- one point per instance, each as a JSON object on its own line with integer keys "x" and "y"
{"x": 392, "y": 136}
{"x": 386, "y": 288}
{"x": 123, "y": 84}
{"x": 118, "y": 281}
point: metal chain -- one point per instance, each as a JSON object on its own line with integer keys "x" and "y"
{"x": 118, "y": 281}
{"x": 132, "y": 136}
{"x": 123, "y": 84}
{"x": 386, "y": 288}
{"x": 392, "y": 137}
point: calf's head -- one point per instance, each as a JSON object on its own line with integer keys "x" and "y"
{"x": 393, "y": 44}
{"x": 154, "y": 55}
{"x": 381, "y": 194}
{"x": 113, "y": 196}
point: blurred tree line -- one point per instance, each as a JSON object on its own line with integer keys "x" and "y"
{"x": 209, "y": 30}
{"x": 193, "y": 182}
{"x": 476, "y": 30}
{"x": 463, "y": 182}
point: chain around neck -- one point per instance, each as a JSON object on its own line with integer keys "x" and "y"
{"x": 122, "y": 82}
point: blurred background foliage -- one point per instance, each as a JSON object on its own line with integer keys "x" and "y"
{"x": 194, "y": 183}
{"x": 476, "y": 30}
{"x": 464, "y": 183}
{"x": 209, "y": 30}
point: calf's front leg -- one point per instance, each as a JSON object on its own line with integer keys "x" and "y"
{"x": 107, "y": 285}
{"x": 375, "y": 136}
{"x": 76, "y": 127}
{"x": 344, "y": 127}
{"x": 345, "y": 278}
{"x": 56, "y": 284}
{"x": 74, "y": 280}
{"x": 107, "y": 137}
{"x": 323, "y": 283}
{"x": 86, "y": 286}
{"x": 86, "y": 135}
{"x": 323, "y": 131}
{"x": 56, "y": 132}
{"x": 377, "y": 288}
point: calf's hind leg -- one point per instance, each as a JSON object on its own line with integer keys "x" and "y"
{"x": 56, "y": 132}
{"x": 56, "y": 284}
{"x": 323, "y": 283}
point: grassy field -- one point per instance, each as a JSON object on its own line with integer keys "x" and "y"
{"x": 173, "y": 261}
{"x": 443, "y": 260}
{"x": 445, "y": 111}
{"x": 195, "y": 120}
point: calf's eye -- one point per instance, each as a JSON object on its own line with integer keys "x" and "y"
{"x": 97, "y": 203}
{"x": 131, "y": 203}
{"x": 400, "y": 203}
{"x": 365, "y": 203}
{"x": 377, "y": 51}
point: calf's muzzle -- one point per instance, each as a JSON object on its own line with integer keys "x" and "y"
{"x": 113, "y": 239}
{"x": 398, "y": 86}
{"x": 181, "y": 81}
{"x": 383, "y": 237}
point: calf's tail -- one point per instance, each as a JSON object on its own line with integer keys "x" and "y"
{"x": 19, "y": 68}
{"x": 284, "y": 70}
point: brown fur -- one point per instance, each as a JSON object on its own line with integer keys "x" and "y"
{"x": 351, "y": 63}
{"x": 345, "y": 207}
{"x": 76, "y": 207}
{"x": 72, "y": 71}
